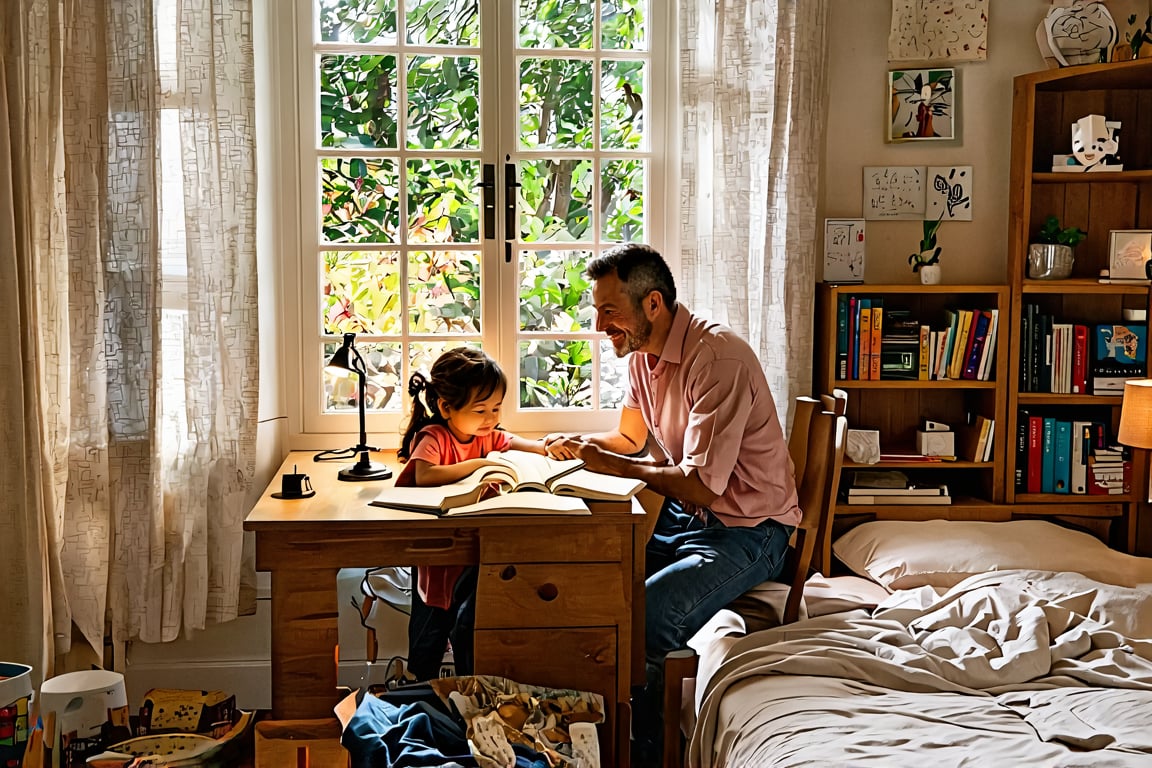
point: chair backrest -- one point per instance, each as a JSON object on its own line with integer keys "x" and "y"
{"x": 837, "y": 402}
{"x": 816, "y": 492}
{"x": 798, "y": 437}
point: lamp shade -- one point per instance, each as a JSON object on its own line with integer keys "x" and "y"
{"x": 1136, "y": 414}
{"x": 342, "y": 358}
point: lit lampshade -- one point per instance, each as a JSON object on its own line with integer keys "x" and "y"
{"x": 1136, "y": 414}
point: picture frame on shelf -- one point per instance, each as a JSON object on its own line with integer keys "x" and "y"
{"x": 922, "y": 105}
{"x": 1129, "y": 254}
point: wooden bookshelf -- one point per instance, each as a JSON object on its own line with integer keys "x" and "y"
{"x": 1045, "y": 104}
{"x": 896, "y": 407}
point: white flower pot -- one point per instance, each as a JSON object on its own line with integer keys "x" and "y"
{"x": 930, "y": 274}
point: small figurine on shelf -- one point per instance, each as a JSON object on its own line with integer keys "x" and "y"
{"x": 1095, "y": 147}
{"x": 926, "y": 260}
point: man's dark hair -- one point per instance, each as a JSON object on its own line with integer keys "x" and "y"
{"x": 640, "y": 268}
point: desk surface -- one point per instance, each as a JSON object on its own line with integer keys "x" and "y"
{"x": 347, "y": 504}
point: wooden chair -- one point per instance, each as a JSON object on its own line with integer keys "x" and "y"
{"x": 823, "y": 458}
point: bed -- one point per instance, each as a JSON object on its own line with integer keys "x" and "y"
{"x": 979, "y": 643}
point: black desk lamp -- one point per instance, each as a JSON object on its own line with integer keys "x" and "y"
{"x": 347, "y": 358}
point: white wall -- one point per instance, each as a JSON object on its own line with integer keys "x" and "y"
{"x": 973, "y": 252}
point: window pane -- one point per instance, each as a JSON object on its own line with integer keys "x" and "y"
{"x": 555, "y": 103}
{"x": 361, "y": 292}
{"x": 555, "y": 24}
{"x": 621, "y": 104}
{"x": 357, "y": 101}
{"x": 623, "y": 24}
{"x": 555, "y": 295}
{"x": 358, "y": 21}
{"x": 443, "y": 98}
{"x": 613, "y": 377}
{"x": 360, "y": 200}
{"x": 555, "y": 200}
{"x": 422, "y": 354}
{"x": 622, "y": 184}
{"x": 556, "y": 373}
{"x": 342, "y": 388}
{"x": 443, "y": 22}
{"x": 444, "y": 292}
{"x": 442, "y": 201}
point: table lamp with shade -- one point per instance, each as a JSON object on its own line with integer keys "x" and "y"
{"x": 1136, "y": 415}
{"x": 347, "y": 359}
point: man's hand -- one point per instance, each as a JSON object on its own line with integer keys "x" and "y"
{"x": 595, "y": 458}
{"x": 553, "y": 445}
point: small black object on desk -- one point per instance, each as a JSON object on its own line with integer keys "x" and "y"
{"x": 294, "y": 485}
{"x": 347, "y": 358}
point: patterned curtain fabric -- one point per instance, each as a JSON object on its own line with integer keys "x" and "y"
{"x": 128, "y": 385}
{"x": 752, "y": 91}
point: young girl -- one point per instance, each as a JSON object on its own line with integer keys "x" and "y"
{"x": 448, "y": 437}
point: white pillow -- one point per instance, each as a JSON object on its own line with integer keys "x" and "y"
{"x": 942, "y": 553}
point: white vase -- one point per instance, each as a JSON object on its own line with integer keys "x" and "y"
{"x": 930, "y": 274}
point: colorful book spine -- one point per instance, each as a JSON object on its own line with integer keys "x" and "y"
{"x": 877, "y": 336}
{"x": 864, "y": 353}
{"x": 841, "y": 337}
{"x": 1062, "y": 458}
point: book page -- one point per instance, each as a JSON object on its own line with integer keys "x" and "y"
{"x": 533, "y": 469}
{"x": 595, "y": 485}
{"x": 524, "y": 504}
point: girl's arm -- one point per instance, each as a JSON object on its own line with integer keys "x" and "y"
{"x": 428, "y": 473}
{"x": 528, "y": 446}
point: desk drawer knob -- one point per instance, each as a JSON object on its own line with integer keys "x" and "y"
{"x": 547, "y": 592}
{"x": 508, "y": 573}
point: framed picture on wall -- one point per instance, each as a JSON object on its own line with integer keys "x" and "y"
{"x": 922, "y": 105}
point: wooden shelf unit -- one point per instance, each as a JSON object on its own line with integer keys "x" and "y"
{"x": 1045, "y": 104}
{"x": 897, "y": 407}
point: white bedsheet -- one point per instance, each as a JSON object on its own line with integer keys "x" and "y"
{"x": 1014, "y": 668}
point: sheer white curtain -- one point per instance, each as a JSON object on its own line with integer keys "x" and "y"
{"x": 128, "y": 382}
{"x": 752, "y": 89}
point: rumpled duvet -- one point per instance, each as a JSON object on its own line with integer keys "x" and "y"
{"x": 1006, "y": 668}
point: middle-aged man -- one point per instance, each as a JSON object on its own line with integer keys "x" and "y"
{"x": 717, "y": 454}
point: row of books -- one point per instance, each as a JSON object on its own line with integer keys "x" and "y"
{"x": 873, "y": 343}
{"x": 876, "y": 487}
{"x": 1077, "y": 359}
{"x": 1076, "y": 457}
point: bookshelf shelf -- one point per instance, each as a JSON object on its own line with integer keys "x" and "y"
{"x": 897, "y": 384}
{"x": 932, "y": 465}
{"x": 1045, "y": 398}
{"x": 1045, "y": 104}
{"x": 1082, "y": 286}
{"x": 1110, "y": 177}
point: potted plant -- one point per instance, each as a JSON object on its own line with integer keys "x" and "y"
{"x": 926, "y": 260}
{"x": 1050, "y": 254}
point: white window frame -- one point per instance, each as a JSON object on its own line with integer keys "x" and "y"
{"x": 291, "y": 67}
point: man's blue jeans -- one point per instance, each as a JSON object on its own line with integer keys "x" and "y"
{"x": 694, "y": 568}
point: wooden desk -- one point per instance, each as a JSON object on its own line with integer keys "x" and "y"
{"x": 559, "y": 598}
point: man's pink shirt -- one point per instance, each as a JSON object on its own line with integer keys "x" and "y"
{"x": 707, "y": 404}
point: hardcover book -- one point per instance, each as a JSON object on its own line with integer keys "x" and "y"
{"x": 553, "y": 487}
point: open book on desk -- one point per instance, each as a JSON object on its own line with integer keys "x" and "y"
{"x": 507, "y": 487}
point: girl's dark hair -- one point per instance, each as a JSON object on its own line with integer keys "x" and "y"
{"x": 640, "y": 268}
{"x": 459, "y": 376}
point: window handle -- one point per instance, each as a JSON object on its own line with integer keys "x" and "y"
{"x": 511, "y": 225}
{"x": 489, "y": 201}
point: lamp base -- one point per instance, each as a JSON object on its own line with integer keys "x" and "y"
{"x": 365, "y": 470}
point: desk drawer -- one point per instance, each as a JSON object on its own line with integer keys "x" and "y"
{"x": 581, "y": 659}
{"x": 550, "y": 595}
{"x": 561, "y": 542}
